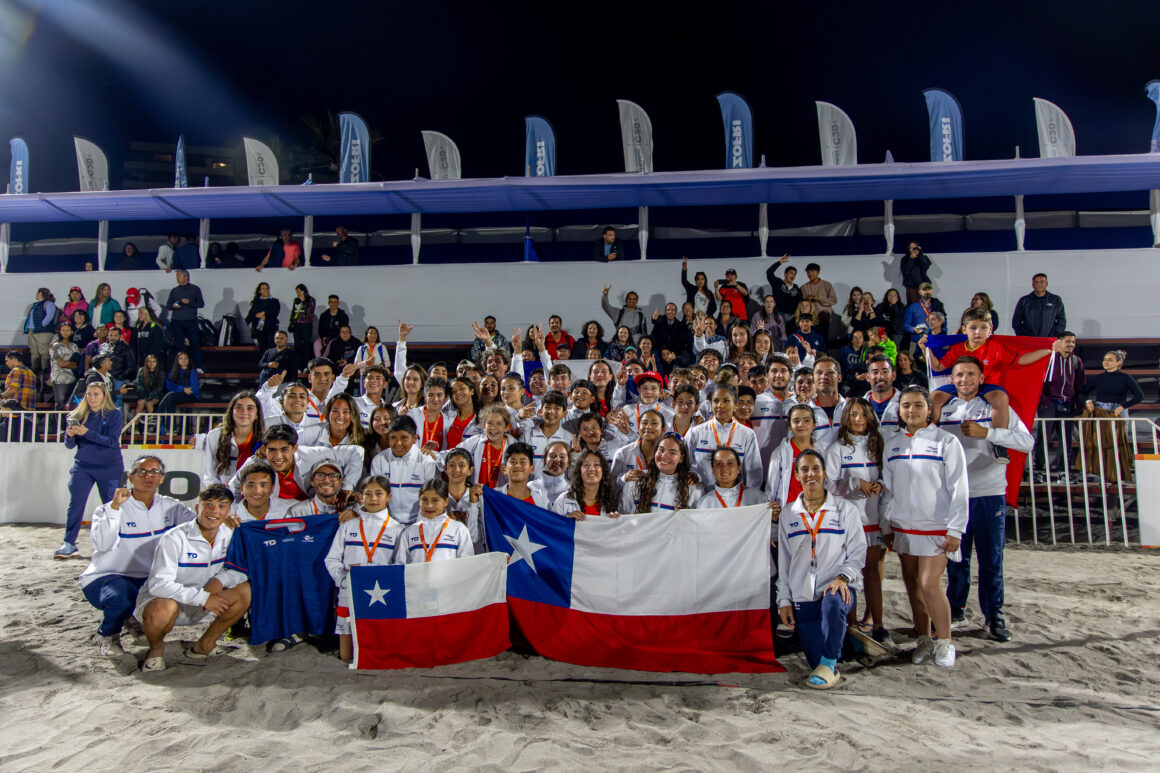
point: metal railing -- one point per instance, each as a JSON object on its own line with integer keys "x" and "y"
{"x": 170, "y": 429}
{"x": 1084, "y": 469}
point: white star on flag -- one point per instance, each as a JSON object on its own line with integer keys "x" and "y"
{"x": 378, "y": 595}
{"x": 524, "y": 546}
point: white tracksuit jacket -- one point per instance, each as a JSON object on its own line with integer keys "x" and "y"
{"x": 840, "y": 550}
{"x": 925, "y": 480}
{"x": 985, "y": 476}
{"x": 124, "y": 540}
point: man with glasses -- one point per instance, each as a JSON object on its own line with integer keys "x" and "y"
{"x": 326, "y": 479}
{"x": 124, "y": 534}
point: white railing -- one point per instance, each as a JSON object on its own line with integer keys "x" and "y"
{"x": 1095, "y": 483}
{"x": 175, "y": 429}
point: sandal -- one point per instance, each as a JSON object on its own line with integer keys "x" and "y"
{"x": 281, "y": 645}
{"x": 153, "y": 664}
{"x": 829, "y": 678}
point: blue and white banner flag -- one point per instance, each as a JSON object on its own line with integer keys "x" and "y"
{"x": 179, "y": 179}
{"x": 539, "y": 147}
{"x": 838, "y": 139}
{"x": 18, "y": 173}
{"x": 261, "y": 165}
{"x": 355, "y": 149}
{"x": 1153, "y": 89}
{"x": 738, "y": 120}
{"x": 442, "y": 156}
{"x": 946, "y": 125}
{"x": 1056, "y": 137}
{"x": 637, "y": 137}
{"x": 92, "y": 165}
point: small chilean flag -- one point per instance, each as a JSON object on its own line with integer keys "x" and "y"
{"x": 677, "y": 591}
{"x": 432, "y": 614}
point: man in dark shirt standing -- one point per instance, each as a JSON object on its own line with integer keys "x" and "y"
{"x": 345, "y": 249}
{"x": 1039, "y": 313}
{"x": 1062, "y": 388}
{"x": 276, "y": 359}
{"x": 608, "y": 247}
{"x": 786, "y": 294}
{"x": 184, "y": 301}
{"x": 330, "y": 321}
{"x": 915, "y": 267}
{"x": 669, "y": 334}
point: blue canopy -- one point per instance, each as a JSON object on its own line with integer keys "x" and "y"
{"x": 813, "y": 184}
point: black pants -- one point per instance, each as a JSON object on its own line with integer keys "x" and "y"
{"x": 264, "y": 338}
{"x": 1060, "y": 432}
{"x": 303, "y": 345}
{"x": 187, "y": 329}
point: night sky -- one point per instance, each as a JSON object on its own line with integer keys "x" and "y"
{"x": 114, "y": 72}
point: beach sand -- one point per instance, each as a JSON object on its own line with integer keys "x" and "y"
{"x": 1075, "y": 689}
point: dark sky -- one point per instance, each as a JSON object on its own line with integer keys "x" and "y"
{"x": 115, "y": 71}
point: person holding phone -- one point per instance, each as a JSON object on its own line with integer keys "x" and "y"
{"x": 94, "y": 430}
{"x": 915, "y": 267}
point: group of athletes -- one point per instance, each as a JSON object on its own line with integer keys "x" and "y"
{"x": 845, "y": 480}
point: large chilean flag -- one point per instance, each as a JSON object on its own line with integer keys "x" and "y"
{"x": 426, "y": 615}
{"x": 679, "y": 591}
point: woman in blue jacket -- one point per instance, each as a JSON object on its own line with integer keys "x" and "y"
{"x": 94, "y": 430}
{"x": 182, "y": 385}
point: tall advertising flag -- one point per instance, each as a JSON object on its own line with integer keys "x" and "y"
{"x": 1056, "y": 137}
{"x": 637, "y": 137}
{"x": 261, "y": 165}
{"x": 946, "y": 125}
{"x": 179, "y": 179}
{"x": 1153, "y": 89}
{"x": 836, "y": 131}
{"x": 442, "y": 156}
{"x": 539, "y": 147}
{"x": 355, "y": 144}
{"x": 92, "y": 166}
{"x": 738, "y": 120}
{"x": 18, "y": 174}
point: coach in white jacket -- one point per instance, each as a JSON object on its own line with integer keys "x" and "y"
{"x": 188, "y": 582}
{"x": 967, "y": 416}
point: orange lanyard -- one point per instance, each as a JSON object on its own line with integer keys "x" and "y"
{"x": 925, "y": 310}
{"x": 491, "y": 468}
{"x": 640, "y": 462}
{"x": 813, "y": 531}
{"x": 729, "y": 442}
{"x": 740, "y": 491}
{"x": 370, "y": 551}
{"x": 433, "y": 427}
{"x": 427, "y": 551}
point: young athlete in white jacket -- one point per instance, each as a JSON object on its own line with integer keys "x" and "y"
{"x": 593, "y": 489}
{"x": 464, "y": 498}
{"x": 729, "y": 491}
{"x": 242, "y": 428}
{"x": 668, "y": 484}
{"x": 436, "y": 536}
{"x": 724, "y": 430}
{"x": 405, "y": 466}
{"x": 258, "y": 502}
{"x": 924, "y": 476}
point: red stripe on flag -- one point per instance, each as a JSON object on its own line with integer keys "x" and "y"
{"x": 425, "y": 642}
{"x": 1024, "y": 385}
{"x": 705, "y": 643}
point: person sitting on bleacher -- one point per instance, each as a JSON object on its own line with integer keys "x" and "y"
{"x": 182, "y": 385}
{"x": 277, "y": 359}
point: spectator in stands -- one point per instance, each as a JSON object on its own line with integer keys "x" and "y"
{"x": 915, "y": 267}
{"x": 853, "y": 302}
{"x": 93, "y": 347}
{"x": 733, "y": 291}
{"x": 82, "y": 331}
{"x": 181, "y": 385}
{"x": 184, "y": 301}
{"x": 621, "y": 341}
{"x": 342, "y": 350}
{"x": 167, "y": 259}
{"x": 917, "y": 317}
{"x": 150, "y": 385}
{"x": 557, "y": 335}
{"x": 608, "y": 247}
{"x": 982, "y": 299}
{"x": 213, "y": 258}
{"x": 865, "y": 316}
{"x": 121, "y": 322}
{"x": 1039, "y": 313}
{"x": 302, "y": 326}
{"x": 876, "y": 336}
{"x": 822, "y": 294}
{"x": 671, "y": 335}
{"x": 592, "y": 338}
{"x": 40, "y": 325}
{"x": 345, "y": 249}
{"x": 131, "y": 259}
{"x": 103, "y": 305}
{"x": 99, "y": 371}
{"x": 20, "y": 384}
{"x": 263, "y": 317}
{"x": 285, "y": 251}
{"x": 485, "y": 338}
{"x": 906, "y": 373}
{"x": 769, "y": 319}
{"x": 1062, "y": 388}
{"x": 629, "y": 316}
{"x": 1113, "y": 390}
{"x": 786, "y": 294}
{"x": 938, "y": 323}
{"x": 94, "y": 430}
{"x": 16, "y": 424}
{"x": 233, "y": 254}
{"x": 850, "y": 357}
{"x": 277, "y": 358}
{"x": 698, "y": 293}
{"x": 373, "y": 351}
{"x": 330, "y": 321}
{"x": 187, "y": 255}
{"x": 76, "y": 301}
{"x": 124, "y": 365}
{"x": 890, "y": 313}
{"x": 149, "y": 336}
{"x": 66, "y": 361}
{"x": 805, "y": 340}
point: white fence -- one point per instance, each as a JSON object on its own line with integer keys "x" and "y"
{"x": 150, "y": 429}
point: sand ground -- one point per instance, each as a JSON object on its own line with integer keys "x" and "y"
{"x": 1076, "y": 689}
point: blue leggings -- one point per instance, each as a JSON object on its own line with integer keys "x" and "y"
{"x": 116, "y": 596}
{"x": 821, "y": 626}
{"x": 80, "y": 483}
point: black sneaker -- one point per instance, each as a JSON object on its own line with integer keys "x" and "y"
{"x": 1000, "y": 454}
{"x": 997, "y": 628}
{"x": 958, "y": 619}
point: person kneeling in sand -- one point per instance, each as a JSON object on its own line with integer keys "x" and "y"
{"x": 189, "y": 583}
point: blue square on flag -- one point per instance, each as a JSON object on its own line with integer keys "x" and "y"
{"x": 378, "y": 592}
{"x": 540, "y": 545}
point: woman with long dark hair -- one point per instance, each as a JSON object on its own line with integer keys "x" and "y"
{"x": 591, "y": 338}
{"x": 150, "y": 386}
{"x": 302, "y": 326}
{"x": 64, "y": 357}
{"x": 102, "y": 306}
{"x": 229, "y": 446}
{"x": 668, "y": 484}
{"x": 593, "y": 489}
{"x": 698, "y": 293}
{"x": 182, "y": 385}
{"x": 263, "y": 317}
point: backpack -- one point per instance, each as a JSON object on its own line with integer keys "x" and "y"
{"x": 208, "y": 333}
{"x": 228, "y": 331}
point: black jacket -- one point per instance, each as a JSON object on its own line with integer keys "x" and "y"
{"x": 149, "y": 338}
{"x": 617, "y": 247}
{"x": 272, "y": 308}
{"x": 914, "y": 270}
{"x": 124, "y": 364}
{"x": 1035, "y": 316}
{"x": 284, "y": 358}
{"x": 328, "y": 325}
{"x": 674, "y": 336}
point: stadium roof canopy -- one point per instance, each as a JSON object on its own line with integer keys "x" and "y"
{"x": 813, "y": 184}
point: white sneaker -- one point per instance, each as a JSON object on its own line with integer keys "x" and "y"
{"x": 944, "y": 653}
{"x": 110, "y": 646}
{"x": 922, "y": 651}
{"x": 154, "y": 664}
